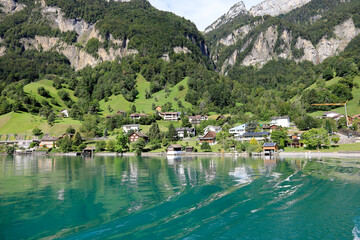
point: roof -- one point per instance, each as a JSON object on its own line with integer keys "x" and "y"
{"x": 47, "y": 138}
{"x": 240, "y": 127}
{"x": 170, "y": 113}
{"x": 138, "y": 115}
{"x": 269, "y": 144}
{"x": 140, "y": 134}
{"x": 175, "y": 146}
{"x": 282, "y": 117}
{"x": 214, "y": 127}
{"x": 131, "y": 125}
{"x": 330, "y": 112}
{"x": 209, "y": 135}
{"x": 255, "y": 134}
{"x": 183, "y": 129}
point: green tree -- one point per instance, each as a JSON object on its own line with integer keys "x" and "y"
{"x": 139, "y": 146}
{"x": 280, "y": 137}
{"x": 10, "y": 150}
{"x": 77, "y": 139}
{"x": 185, "y": 121}
{"x": 51, "y": 119}
{"x": 100, "y": 146}
{"x": 154, "y": 132}
{"x": 171, "y": 133}
{"x": 122, "y": 143}
{"x": 328, "y": 73}
{"x": 315, "y": 138}
{"x": 37, "y": 131}
{"x": 111, "y": 145}
{"x": 65, "y": 144}
{"x": 70, "y": 130}
{"x": 205, "y": 146}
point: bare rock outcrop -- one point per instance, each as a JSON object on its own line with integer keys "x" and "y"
{"x": 344, "y": 33}
{"x": 263, "y": 50}
{"x": 276, "y": 7}
{"x": 11, "y": 6}
{"x": 77, "y": 56}
{"x": 236, "y": 10}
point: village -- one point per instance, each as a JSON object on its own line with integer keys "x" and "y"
{"x": 183, "y": 134}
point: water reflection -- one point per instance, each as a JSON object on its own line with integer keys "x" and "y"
{"x": 58, "y": 196}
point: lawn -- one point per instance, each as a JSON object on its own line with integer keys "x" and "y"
{"x": 339, "y": 148}
{"x": 24, "y": 123}
{"x": 31, "y": 89}
{"x": 353, "y": 106}
{"x": 142, "y": 104}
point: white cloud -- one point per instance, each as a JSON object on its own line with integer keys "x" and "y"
{"x": 201, "y": 12}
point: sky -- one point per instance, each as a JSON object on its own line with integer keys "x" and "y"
{"x": 201, "y": 12}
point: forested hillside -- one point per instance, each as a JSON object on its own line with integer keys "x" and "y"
{"x": 94, "y": 53}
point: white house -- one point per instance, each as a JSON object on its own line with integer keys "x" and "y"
{"x": 197, "y": 119}
{"x": 330, "y": 114}
{"x": 65, "y": 113}
{"x": 181, "y": 131}
{"x": 239, "y": 130}
{"x": 133, "y": 127}
{"x": 170, "y": 116}
{"x": 281, "y": 121}
{"x": 209, "y": 128}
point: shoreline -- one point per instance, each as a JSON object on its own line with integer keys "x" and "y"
{"x": 281, "y": 155}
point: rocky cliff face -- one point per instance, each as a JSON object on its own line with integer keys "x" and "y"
{"x": 276, "y": 7}
{"x": 267, "y": 7}
{"x": 11, "y": 6}
{"x": 77, "y": 56}
{"x": 263, "y": 46}
{"x": 236, "y": 10}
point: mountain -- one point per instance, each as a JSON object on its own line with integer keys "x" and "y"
{"x": 296, "y": 30}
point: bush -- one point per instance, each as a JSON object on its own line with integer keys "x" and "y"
{"x": 43, "y": 92}
{"x": 10, "y": 150}
{"x": 100, "y": 146}
{"x": 37, "y": 131}
{"x": 205, "y": 146}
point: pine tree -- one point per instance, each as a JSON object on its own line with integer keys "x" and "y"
{"x": 171, "y": 134}
{"x": 154, "y": 132}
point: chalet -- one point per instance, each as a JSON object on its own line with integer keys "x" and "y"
{"x": 270, "y": 148}
{"x": 181, "y": 131}
{"x": 48, "y": 142}
{"x": 174, "y": 149}
{"x": 220, "y": 117}
{"x": 259, "y": 136}
{"x": 170, "y": 116}
{"x": 65, "y": 113}
{"x": 281, "y": 121}
{"x": 239, "y": 130}
{"x": 269, "y": 128}
{"x": 109, "y": 116}
{"x": 197, "y": 119}
{"x": 138, "y": 115}
{"x": 131, "y": 127}
{"x": 121, "y": 113}
{"x": 295, "y": 141}
{"x": 209, "y": 137}
{"x": 134, "y": 137}
{"x": 215, "y": 129}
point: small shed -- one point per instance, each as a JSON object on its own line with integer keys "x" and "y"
{"x": 270, "y": 148}
{"x": 174, "y": 149}
{"x": 189, "y": 149}
{"x": 89, "y": 151}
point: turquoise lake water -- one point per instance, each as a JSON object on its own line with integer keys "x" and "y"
{"x": 188, "y": 198}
